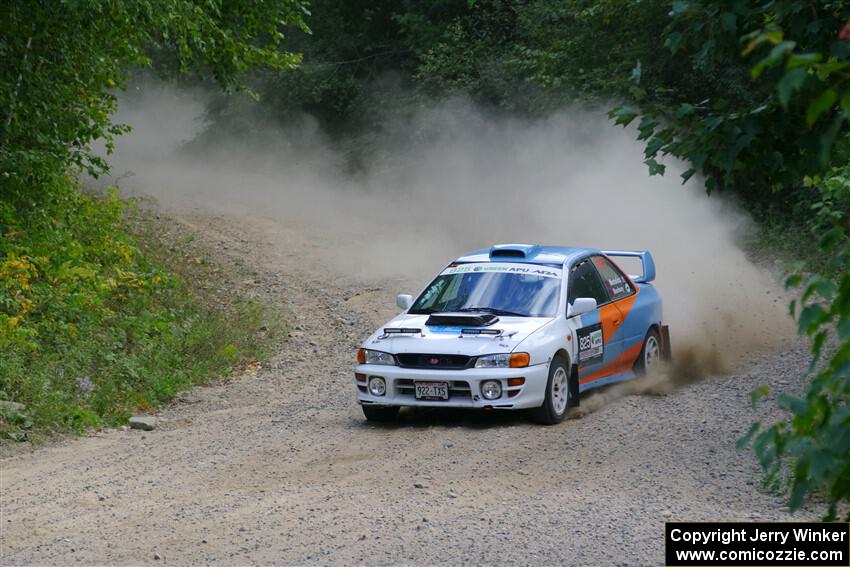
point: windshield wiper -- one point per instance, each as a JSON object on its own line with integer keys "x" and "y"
{"x": 493, "y": 310}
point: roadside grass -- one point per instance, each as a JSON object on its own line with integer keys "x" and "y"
{"x": 101, "y": 317}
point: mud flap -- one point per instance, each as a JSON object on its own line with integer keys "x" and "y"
{"x": 573, "y": 400}
{"x": 666, "y": 351}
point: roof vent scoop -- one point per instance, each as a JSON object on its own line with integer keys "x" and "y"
{"x": 514, "y": 250}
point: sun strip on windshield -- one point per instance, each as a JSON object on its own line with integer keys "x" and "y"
{"x": 504, "y": 268}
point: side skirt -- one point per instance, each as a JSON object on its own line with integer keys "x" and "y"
{"x": 628, "y": 375}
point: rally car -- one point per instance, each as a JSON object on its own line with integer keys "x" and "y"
{"x": 515, "y": 326}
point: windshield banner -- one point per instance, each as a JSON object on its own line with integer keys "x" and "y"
{"x": 504, "y": 268}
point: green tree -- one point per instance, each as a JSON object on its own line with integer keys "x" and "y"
{"x": 745, "y": 130}
{"x": 814, "y": 442}
{"x": 90, "y": 327}
{"x": 361, "y": 58}
{"x": 61, "y": 62}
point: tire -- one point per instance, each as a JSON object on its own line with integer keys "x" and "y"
{"x": 557, "y": 400}
{"x": 380, "y": 413}
{"x": 651, "y": 354}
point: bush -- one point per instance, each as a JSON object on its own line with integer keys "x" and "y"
{"x": 91, "y": 329}
{"x": 814, "y": 442}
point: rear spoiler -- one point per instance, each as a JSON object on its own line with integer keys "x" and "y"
{"x": 645, "y": 259}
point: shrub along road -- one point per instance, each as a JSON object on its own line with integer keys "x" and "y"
{"x": 279, "y": 466}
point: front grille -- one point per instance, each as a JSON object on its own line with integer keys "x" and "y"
{"x": 434, "y": 361}
{"x": 457, "y": 388}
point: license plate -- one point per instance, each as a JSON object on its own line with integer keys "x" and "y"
{"x": 432, "y": 390}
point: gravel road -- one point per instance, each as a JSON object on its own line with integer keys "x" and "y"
{"x": 279, "y": 466}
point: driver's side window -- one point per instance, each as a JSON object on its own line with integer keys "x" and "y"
{"x": 585, "y": 282}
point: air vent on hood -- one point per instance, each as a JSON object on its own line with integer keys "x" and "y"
{"x": 507, "y": 254}
{"x": 514, "y": 250}
{"x": 461, "y": 319}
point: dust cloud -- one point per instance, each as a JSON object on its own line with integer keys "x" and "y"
{"x": 449, "y": 178}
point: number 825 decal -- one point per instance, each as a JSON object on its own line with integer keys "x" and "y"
{"x": 590, "y": 344}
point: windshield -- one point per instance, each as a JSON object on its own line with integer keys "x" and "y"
{"x": 503, "y": 289}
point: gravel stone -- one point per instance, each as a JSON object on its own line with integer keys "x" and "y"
{"x": 12, "y": 406}
{"x": 145, "y": 422}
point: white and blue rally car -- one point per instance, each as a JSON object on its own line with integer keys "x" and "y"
{"x": 515, "y": 326}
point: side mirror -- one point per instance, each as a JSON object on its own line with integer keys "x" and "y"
{"x": 404, "y": 301}
{"x": 581, "y": 305}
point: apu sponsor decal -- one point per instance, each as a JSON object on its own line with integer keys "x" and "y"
{"x": 590, "y": 344}
{"x": 527, "y": 269}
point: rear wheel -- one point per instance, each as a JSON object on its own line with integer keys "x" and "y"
{"x": 380, "y": 413}
{"x": 557, "y": 399}
{"x": 650, "y": 355}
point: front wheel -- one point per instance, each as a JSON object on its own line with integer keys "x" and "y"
{"x": 557, "y": 399}
{"x": 380, "y": 413}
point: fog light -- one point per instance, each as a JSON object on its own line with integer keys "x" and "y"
{"x": 491, "y": 389}
{"x": 377, "y": 386}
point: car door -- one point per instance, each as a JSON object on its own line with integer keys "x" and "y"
{"x": 597, "y": 340}
{"x": 628, "y": 331}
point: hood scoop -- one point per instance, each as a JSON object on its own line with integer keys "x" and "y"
{"x": 461, "y": 319}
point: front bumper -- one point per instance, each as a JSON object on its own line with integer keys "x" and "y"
{"x": 464, "y": 386}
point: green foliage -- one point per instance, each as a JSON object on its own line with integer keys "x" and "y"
{"x": 815, "y": 440}
{"x": 60, "y": 63}
{"x": 676, "y": 67}
{"x": 739, "y": 127}
{"x": 90, "y": 329}
{"x": 590, "y": 50}
{"x": 473, "y": 55}
{"x": 357, "y": 60}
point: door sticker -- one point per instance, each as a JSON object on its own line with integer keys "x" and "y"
{"x": 590, "y": 345}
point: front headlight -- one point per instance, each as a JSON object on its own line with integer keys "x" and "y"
{"x": 367, "y": 356}
{"x": 505, "y": 360}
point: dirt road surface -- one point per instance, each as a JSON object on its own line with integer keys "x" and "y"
{"x": 279, "y": 466}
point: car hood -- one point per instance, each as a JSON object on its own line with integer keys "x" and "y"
{"x": 448, "y": 340}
